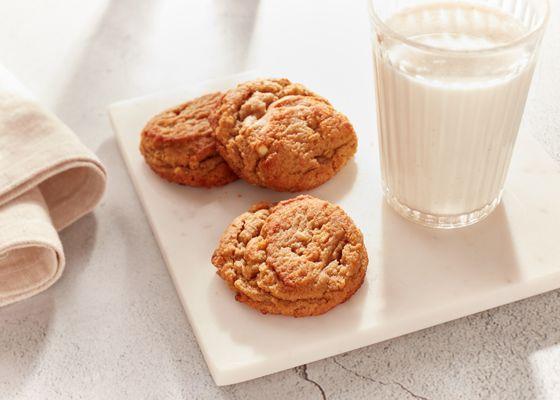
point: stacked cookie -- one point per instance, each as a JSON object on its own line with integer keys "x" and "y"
{"x": 299, "y": 257}
{"x": 179, "y": 145}
{"x": 271, "y": 132}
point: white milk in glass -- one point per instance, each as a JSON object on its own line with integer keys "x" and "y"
{"x": 448, "y": 124}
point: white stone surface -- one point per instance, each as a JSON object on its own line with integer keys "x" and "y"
{"x": 418, "y": 277}
{"x": 113, "y": 326}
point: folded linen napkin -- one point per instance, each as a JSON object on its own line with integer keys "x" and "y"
{"x": 48, "y": 180}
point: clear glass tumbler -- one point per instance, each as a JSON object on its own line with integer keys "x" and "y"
{"x": 452, "y": 79}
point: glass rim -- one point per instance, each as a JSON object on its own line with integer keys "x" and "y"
{"x": 471, "y": 52}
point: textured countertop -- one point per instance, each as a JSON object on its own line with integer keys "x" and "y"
{"x": 113, "y": 327}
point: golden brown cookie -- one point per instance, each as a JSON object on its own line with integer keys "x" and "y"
{"x": 299, "y": 257}
{"x": 179, "y": 146}
{"x": 280, "y": 135}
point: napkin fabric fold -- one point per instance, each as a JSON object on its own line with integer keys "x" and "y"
{"x": 48, "y": 180}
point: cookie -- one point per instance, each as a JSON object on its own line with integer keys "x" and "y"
{"x": 179, "y": 146}
{"x": 280, "y": 135}
{"x": 300, "y": 257}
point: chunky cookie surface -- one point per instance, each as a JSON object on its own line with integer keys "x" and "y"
{"x": 280, "y": 135}
{"x": 178, "y": 145}
{"x": 300, "y": 257}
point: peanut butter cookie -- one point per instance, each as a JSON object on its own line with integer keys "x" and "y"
{"x": 280, "y": 135}
{"x": 179, "y": 146}
{"x": 300, "y": 257}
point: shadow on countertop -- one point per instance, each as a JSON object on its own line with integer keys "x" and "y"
{"x": 488, "y": 355}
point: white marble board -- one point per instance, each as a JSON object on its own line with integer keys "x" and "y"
{"x": 418, "y": 277}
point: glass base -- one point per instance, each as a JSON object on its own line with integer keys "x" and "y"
{"x": 441, "y": 221}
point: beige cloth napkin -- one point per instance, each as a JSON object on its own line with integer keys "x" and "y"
{"x": 48, "y": 180}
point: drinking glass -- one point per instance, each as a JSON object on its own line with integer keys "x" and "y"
{"x": 452, "y": 79}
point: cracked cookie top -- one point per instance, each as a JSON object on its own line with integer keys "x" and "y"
{"x": 184, "y": 131}
{"x": 299, "y": 257}
{"x": 179, "y": 145}
{"x": 280, "y": 135}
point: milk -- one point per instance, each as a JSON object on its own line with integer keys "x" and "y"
{"x": 448, "y": 123}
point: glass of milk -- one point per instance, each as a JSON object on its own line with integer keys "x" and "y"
{"x": 452, "y": 79}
